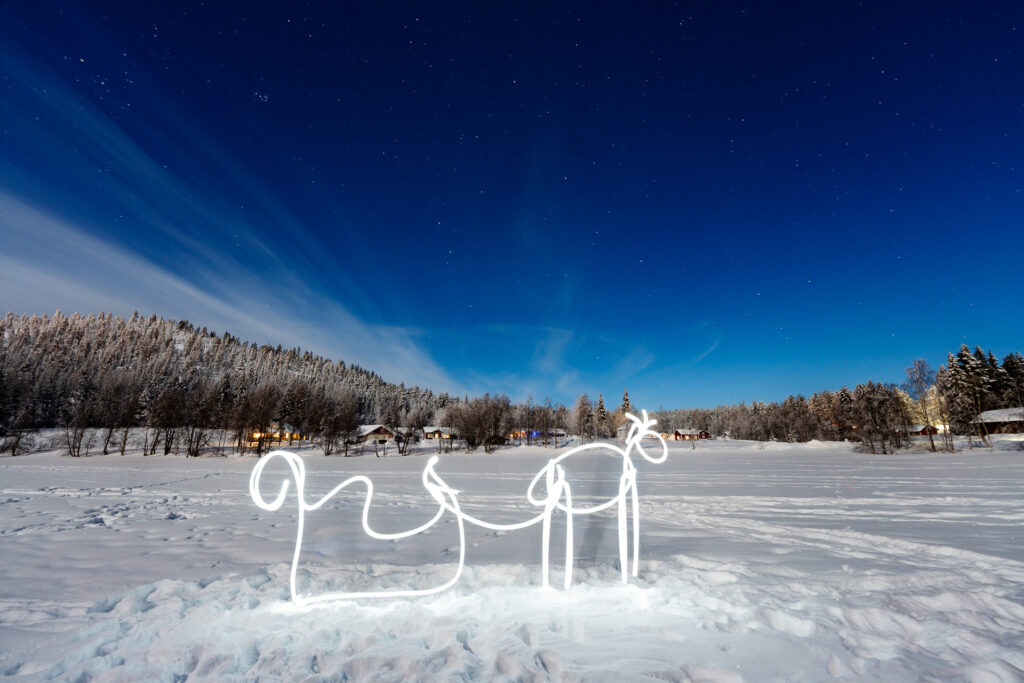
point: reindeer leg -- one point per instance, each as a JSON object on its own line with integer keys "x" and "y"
{"x": 622, "y": 530}
{"x": 545, "y": 550}
{"x": 568, "y": 537}
{"x": 636, "y": 528}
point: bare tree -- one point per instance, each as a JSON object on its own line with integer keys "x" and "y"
{"x": 920, "y": 379}
{"x": 416, "y": 420}
{"x": 167, "y": 415}
{"x": 263, "y": 405}
{"x": 546, "y": 421}
{"x": 17, "y": 423}
{"x": 80, "y": 412}
{"x": 878, "y": 409}
{"x": 197, "y": 417}
{"x": 482, "y": 421}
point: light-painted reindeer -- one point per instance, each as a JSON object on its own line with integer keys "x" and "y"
{"x": 557, "y": 496}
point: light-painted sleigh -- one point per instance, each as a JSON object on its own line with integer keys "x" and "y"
{"x": 557, "y": 496}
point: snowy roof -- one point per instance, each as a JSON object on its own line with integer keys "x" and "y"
{"x": 278, "y": 426}
{"x": 369, "y": 429}
{"x": 443, "y": 430}
{"x": 689, "y": 431}
{"x": 1002, "y": 415}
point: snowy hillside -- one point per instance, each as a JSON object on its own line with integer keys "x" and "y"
{"x": 786, "y": 562}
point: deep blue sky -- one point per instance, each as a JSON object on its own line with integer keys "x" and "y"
{"x": 706, "y": 203}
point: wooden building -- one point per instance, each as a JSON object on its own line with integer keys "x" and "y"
{"x": 922, "y": 430}
{"x": 439, "y": 433}
{"x": 375, "y": 433}
{"x": 1004, "y": 421}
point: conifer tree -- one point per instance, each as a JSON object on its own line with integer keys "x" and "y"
{"x": 1013, "y": 394}
{"x": 957, "y": 394}
{"x": 583, "y": 416}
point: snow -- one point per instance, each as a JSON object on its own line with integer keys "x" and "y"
{"x": 757, "y": 562}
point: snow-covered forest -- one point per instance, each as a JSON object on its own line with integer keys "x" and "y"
{"x": 877, "y": 414}
{"x": 183, "y": 384}
{"x": 114, "y": 373}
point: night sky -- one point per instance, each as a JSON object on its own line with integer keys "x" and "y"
{"x": 705, "y": 203}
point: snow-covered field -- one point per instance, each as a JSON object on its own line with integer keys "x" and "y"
{"x": 758, "y": 562}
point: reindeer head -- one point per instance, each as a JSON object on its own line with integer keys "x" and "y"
{"x": 640, "y": 428}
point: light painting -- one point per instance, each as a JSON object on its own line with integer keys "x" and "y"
{"x": 556, "y": 497}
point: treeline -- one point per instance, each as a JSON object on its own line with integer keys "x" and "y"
{"x": 878, "y": 414}
{"x": 104, "y": 371}
{"x": 183, "y": 385}
{"x": 488, "y": 420}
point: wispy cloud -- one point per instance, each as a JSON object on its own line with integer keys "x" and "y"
{"x": 708, "y": 351}
{"x": 54, "y": 264}
{"x": 93, "y": 220}
{"x": 176, "y": 249}
{"x": 547, "y": 361}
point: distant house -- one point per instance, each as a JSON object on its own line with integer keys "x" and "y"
{"x": 374, "y": 433}
{"x": 535, "y": 434}
{"x": 922, "y": 430}
{"x": 1004, "y": 421}
{"x": 690, "y": 434}
{"x": 623, "y": 432}
{"x": 439, "y": 433}
{"x": 277, "y": 432}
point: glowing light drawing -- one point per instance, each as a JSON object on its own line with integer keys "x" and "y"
{"x": 557, "y": 496}
{"x": 431, "y": 481}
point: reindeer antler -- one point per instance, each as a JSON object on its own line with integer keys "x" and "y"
{"x": 640, "y": 428}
